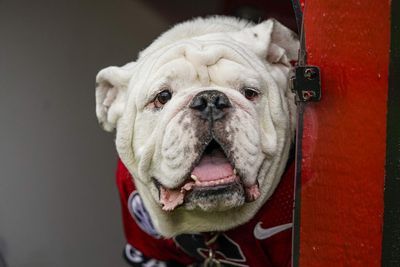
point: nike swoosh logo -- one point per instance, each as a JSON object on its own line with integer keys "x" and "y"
{"x": 264, "y": 233}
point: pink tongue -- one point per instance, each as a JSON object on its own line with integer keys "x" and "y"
{"x": 213, "y": 167}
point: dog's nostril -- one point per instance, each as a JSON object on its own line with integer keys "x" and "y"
{"x": 199, "y": 103}
{"x": 222, "y": 102}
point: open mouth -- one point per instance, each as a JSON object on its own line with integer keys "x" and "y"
{"x": 213, "y": 174}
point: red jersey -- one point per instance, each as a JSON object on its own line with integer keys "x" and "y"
{"x": 263, "y": 241}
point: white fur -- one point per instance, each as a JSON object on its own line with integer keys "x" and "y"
{"x": 217, "y": 53}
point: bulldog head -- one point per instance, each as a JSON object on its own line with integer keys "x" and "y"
{"x": 204, "y": 121}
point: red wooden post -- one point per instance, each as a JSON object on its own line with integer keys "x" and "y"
{"x": 344, "y": 137}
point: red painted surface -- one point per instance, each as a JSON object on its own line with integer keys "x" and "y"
{"x": 344, "y": 134}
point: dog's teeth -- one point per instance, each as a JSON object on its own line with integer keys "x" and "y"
{"x": 234, "y": 171}
{"x": 194, "y": 177}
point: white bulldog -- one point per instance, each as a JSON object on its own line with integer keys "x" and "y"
{"x": 204, "y": 121}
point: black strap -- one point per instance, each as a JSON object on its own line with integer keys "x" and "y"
{"x": 298, "y": 13}
{"x": 302, "y": 59}
{"x": 298, "y": 152}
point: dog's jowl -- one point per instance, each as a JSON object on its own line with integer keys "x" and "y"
{"x": 204, "y": 123}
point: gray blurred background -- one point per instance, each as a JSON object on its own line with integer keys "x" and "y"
{"x": 58, "y": 201}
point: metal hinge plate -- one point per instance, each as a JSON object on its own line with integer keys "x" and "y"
{"x": 306, "y": 83}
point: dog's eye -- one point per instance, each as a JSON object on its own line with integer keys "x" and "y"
{"x": 162, "y": 98}
{"x": 250, "y": 93}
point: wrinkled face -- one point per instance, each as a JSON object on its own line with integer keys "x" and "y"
{"x": 205, "y": 129}
{"x": 207, "y": 148}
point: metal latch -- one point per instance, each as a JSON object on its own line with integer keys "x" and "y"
{"x": 306, "y": 83}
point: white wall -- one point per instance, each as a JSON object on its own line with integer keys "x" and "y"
{"x": 58, "y": 201}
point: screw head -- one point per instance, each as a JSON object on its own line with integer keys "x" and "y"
{"x": 308, "y": 94}
{"x": 310, "y": 73}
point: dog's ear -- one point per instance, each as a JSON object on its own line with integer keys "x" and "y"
{"x": 272, "y": 41}
{"x": 284, "y": 43}
{"x": 111, "y": 94}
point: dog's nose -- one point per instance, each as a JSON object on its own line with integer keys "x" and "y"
{"x": 211, "y": 104}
